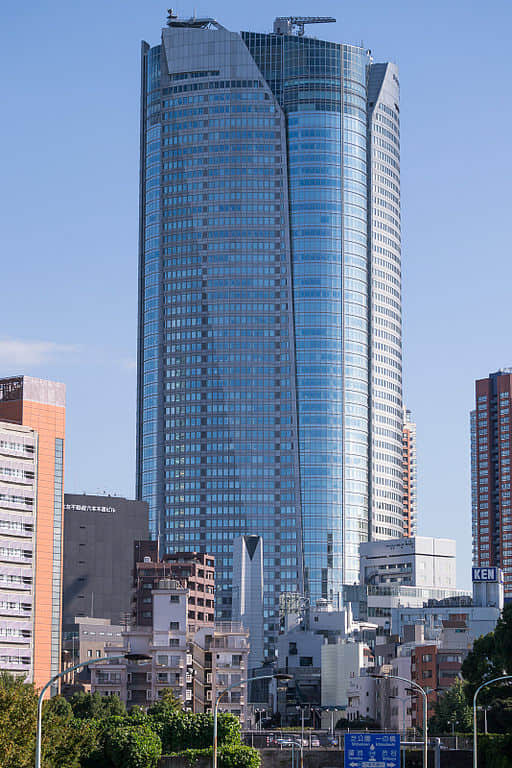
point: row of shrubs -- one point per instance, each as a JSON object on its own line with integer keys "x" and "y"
{"x": 91, "y": 731}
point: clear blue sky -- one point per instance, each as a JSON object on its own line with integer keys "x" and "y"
{"x": 69, "y": 139}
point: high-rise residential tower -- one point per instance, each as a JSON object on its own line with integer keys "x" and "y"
{"x": 491, "y": 446}
{"x": 269, "y": 398}
{"x": 32, "y": 517}
{"x": 410, "y": 499}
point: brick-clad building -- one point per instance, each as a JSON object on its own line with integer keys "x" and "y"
{"x": 436, "y": 666}
{"x": 196, "y": 570}
{"x": 491, "y": 444}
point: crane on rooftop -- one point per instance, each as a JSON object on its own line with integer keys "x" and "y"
{"x": 285, "y": 25}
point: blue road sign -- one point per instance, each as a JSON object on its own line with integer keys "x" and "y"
{"x": 372, "y": 750}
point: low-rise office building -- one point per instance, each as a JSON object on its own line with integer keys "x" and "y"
{"x": 89, "y": 642}
{"x": 300, "y": 654}
{"x": 420, "y": 561}
{"x": 343, "y": 663}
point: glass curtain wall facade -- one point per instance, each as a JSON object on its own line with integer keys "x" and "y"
{"x": 386, "y": 484}
{"x": 321, "y": 87}
{"x": 254, "y": 322}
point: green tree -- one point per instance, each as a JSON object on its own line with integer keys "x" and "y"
{"x": 491, "y": 657}
{"x": 185, "y": 730}
{"x": 18, "y": 713}
{"x": 64, "y": 740}
{"x": 137, "y": 716}
{"x": 452, "y": 708}
{"x": 168, "y": 700}
{"x": 132, "y": 746}
{"x": 89, "y": 706}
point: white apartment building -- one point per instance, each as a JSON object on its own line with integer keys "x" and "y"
{"x": 18, "y": 483}
{"x": 196, "y": 666}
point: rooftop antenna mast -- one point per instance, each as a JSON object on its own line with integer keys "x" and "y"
{"x": 287, "y": 25}
{"x": 171, "y": 15}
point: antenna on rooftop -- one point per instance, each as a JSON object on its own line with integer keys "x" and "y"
{"x": 171, "y": 15}
{"x": 286, "y": 25}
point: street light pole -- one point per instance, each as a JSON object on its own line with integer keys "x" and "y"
{"x": 133, "y": 656}
{"x": 475, "y": 729}
{"x": 229, "y": 688}
{"x": 404, "y": 700}
{"x": 425, "y": 707}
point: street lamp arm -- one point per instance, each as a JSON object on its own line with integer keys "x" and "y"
{"x": 425, "y": 709}
{"x": 50, "y": 682}
{"x": 489, "y": 682}
{"x": 410, "y": 682}
{"x": 216, "y": 706}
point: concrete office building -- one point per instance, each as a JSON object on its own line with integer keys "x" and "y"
{"x": 90, "y": 641}
{"x": 248, "y": 592}
{"x": 99, "y": 532}
{"x": 400, "y": 574}
{"x": 490, "y": 474}
{"x": 270, "y": 303}
{"x": 410, "y": 480}
{"x": 34, "y": 515}
{"x": 300, "y": 649}
{"x": 421, "y": 561}
{"x": 479, "y": 612}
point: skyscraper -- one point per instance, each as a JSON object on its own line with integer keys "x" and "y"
{"x": 490, "y": 474}
{"x": 247, "y": 592}
{"x": 36, "y": 511}
{"x": 410, "y": 500}
{"x": 269, "y": 399}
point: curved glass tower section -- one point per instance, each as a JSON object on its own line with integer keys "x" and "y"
{"x": 255, "y": 401}
{"x": 322, "y": 89}
{"x": 386, "y": 302}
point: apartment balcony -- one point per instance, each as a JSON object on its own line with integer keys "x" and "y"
{"x": 8, "y": 608}
{"x": 107, "y": 679}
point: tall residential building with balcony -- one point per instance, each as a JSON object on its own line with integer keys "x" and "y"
{"x": 410, "y": 482}
{"x": 39, "y": 407}
{"x": 269, "y": 377}
{"x": 18, "y": 473}
{"x": 490, "y": 474}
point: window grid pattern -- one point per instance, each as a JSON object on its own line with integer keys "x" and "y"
{"x": 219, "y": 428}
{"x": 322, "y": 89}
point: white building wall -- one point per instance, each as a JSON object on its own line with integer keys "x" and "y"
{"x": 341, "y": 664}
{"x": 420, "y": 561}
{"x": 247, "y": 592}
